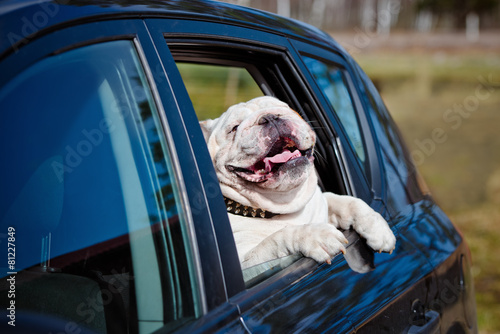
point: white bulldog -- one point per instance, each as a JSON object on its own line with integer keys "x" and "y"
{"x": 262, "y": 151}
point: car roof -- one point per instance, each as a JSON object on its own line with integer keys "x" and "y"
{"x": 22, "y": 21}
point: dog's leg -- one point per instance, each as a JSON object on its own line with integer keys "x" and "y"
{"x": 320, "y": 242}
{"x": 345, "y": 212}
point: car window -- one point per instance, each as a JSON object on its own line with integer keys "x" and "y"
{"x": 216, "y": 81}
{"x": 331, "y": 80}
{"x": 89, "y": 195}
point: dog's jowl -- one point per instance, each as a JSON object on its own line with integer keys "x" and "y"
{"x": 263, "y": 153}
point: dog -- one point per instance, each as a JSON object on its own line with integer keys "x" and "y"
{"x": 263, "y": 154}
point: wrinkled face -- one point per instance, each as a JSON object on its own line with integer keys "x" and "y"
{"x": 261, "y": 145}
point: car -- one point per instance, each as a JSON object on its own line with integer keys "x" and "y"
{"x": 112, "y": 217}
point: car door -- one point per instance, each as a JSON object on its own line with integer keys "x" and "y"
{"x": 102, "y": 193}
{"x": 302, "y": 296}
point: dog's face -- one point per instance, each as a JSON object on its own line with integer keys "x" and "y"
{"x": 261, "y": 148}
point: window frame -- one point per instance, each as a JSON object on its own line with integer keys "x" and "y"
{"x": 226, "y": 34}
{"x": 248, "y": 297}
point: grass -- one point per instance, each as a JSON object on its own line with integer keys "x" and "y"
{"x": 479, "y": 226}
{"x": 425, "y": 92}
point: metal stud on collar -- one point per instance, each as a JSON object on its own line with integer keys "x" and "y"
{"x": 246, "y": 211}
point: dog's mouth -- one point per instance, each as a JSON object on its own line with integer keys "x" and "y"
{"x": 283, "y": 153}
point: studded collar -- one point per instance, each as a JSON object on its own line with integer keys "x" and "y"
{"x": 246, "y": 211}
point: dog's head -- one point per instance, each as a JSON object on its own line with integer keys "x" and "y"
{"x": 262, "y": 151}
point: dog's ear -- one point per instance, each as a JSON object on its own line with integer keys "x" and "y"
{"x": 207, "y": 127}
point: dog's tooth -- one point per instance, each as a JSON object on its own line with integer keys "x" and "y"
{"x": 229, "y": 202}
{"x": 263, "y": 214}
{"x": 238, "y": 205}
{"x": 237, "y": 211}
{"x": 254, "y": 213}
{"x": 229, "y": 208}
{"x": 245, "y": 213}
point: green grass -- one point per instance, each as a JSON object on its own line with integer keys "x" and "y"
{"x": 424, "y": 92}
{"x": 480, "y": 228}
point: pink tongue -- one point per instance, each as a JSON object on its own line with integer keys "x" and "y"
{"x": 280, "y": 158}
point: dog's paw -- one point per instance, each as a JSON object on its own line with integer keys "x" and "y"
{"x": 321, "y": 242}
{"x": 376, "y": 231}
{"x": 348, "y": 212}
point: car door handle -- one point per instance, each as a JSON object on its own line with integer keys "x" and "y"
{"x": 431, "y": 326}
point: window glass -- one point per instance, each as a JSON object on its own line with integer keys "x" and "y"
{"x": 331, "y": 80}
{"x": 213, "y": 89}
{"x": 89, "y": 192}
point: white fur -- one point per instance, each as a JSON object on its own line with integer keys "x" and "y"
{"x": 309, "y": 220}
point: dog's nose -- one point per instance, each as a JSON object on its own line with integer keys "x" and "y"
{"x": 269, "y": 118}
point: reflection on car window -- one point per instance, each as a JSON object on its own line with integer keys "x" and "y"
{"x": 331, "y": 80}
{"x": 258, "y": 273}
{"x": 88, "y": 186}
{"x": 213, "y": 89}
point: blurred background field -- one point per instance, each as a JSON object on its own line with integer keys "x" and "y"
{"x": 437, "y": 66}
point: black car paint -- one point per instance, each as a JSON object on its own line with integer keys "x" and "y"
{"x": 427, "y": 264}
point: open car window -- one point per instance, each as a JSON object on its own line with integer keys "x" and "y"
{"x": 224, "y": 76}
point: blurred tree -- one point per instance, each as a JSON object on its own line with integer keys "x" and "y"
{"x": 383, "y": 16}
{"x": 458, "y": 9}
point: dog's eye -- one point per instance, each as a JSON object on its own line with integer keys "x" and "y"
{"x": 234, "y": 128}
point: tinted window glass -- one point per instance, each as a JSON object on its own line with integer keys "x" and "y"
{"x": 331, "y": 80}
{"x": 88, "y": 188}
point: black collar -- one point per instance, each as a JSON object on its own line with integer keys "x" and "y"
{"x": 247, "y": 211}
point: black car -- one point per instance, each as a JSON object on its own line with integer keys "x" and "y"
{"x": 112, "y": 219}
